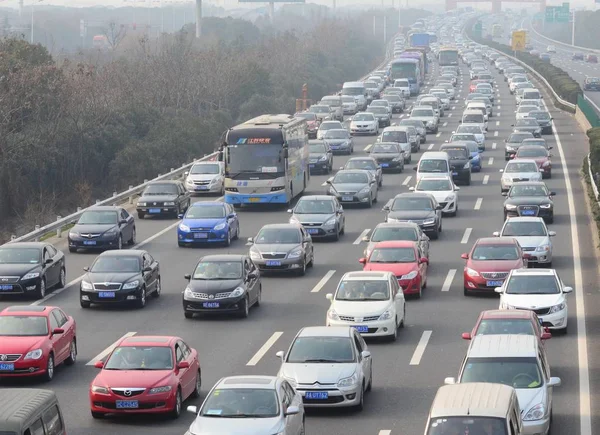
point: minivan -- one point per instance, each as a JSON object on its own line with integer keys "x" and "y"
{"x": 403, "y": 84}
{"x": 474, "y": 117}
{"x": 335, "y": 102}
{"x": 30, "y": 411}
{"x": 532, "y": 94}
{"x": 358, "y": 91}
{"x": 400, "y": 135}
{"x": 433, "y": 162}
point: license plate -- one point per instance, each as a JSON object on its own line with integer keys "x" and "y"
{"x": 273, "y": 263}
{"x": 318, "y": 395}
{"x": 89, "y": 242}
{"x": 106, "y": 294}
{"x": 311, "y": 166}
{"x": 154, "y": 210}
{"x": 200, "y": 236}
{"x": 201, "y": 187}
{"x": 347, "y": 198}
{"x": 334, "y": 147}
{"x": 385, "y": 165}
{"x": 494, "y": 283}
{"x": 455, "y": 174}
{"x": 254, "y": 200}
{"x": 211, "y": 304}
{"x": 528, "y": 212}
{"x": 312, "y": 231}
{"x": 127, "y": 404}
{"x": 6, "y": 287}
{"x": 7, "y": 367}
{"x": 361, "y": 328}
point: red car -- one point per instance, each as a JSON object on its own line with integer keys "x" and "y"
{"x": 541, "y": 156}
{"x": 592, "y": 58}
{"x": 494, "y": 322}
{"x": 489, "y": 262}
{"x": 404, "y": 259}
{"x": 146, "y": 375}
{"x": 35, "y": 339}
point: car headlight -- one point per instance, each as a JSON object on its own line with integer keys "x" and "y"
{"x": 557, "y": 308}
{"x": 99, "y": 389}
{"x": 214, "y": 180}
{"x": 506, "y": 179}
{"x": 535, "y": 413}
{"x": 296, "y": 253}
{"x": 188, "y": 293}
{"x": 509, "y": 148}
{"x": 430, "y": 123}
{"x": 330, "y": 222}
{"x": 255, "y": 255}
{"x": 333, "y": 315}
{"x": 364, "y": 190}
{"x": 386, "y": 315}
{"x": 537, "y": 176}
{"x": 397, "y": 159}
{"x": 471, "y": 272}
{"x": 348, "y": 382}
{"x": 323, "y": 158}
{"x": 543, "y": 248}
{"x": 141, "y": 204}
{"x": 410, "y": 275}
{"x": 189, "y": 182}
{"x": 545, "y": 206}
{"x": 184, "y": 228}
{"x": 157, "y": 390}
{"x": 86, "y": 285}
{"x": 449, "y": 198}
{"x": 34, "y": 354}
{"x": 130, "y": 285}
{"x": 220, "y": 226}
{"x": 511, "y": 207}
{"x": 111, "y": 233}
{"x": 509, "y": 307}
{"x": 428, "y": 221}
{"x": 467, "y": 165}
{"x": 239, "y": 291}
{"x": 294, "y": 220}
{"x": 169, "y": 203}
{"x": 31, "y": 275}
{"x": 292, "y": 381}
{"x": 73, "y": 234}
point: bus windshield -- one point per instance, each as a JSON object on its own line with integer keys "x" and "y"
{"x": 404, "y": 70}
{"x": 266, "y": 158}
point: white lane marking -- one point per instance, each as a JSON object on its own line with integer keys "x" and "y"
{"x": 420, "y": 350}
{"x": 497, "y": 123}
{"x": 490, "y": 161}
{"x": 499, "y": 107}
{"x": 108, "y": 350}
{"x": 430, "y": 147}
{"x": 385, "y": 432}
{"x": 453, "y": 107}
{"x": 499, "y": 100}
{"x": 494, "y": 145}
{"x": 439, "y": 134}
{"x": 265, "y": 348}
{"x": 466, "y": 236}
{"x": 448, "y": 281}
{"x": 363, "y": 234}
{"x": 499, "y": 114}
{"x": 486, "y": 179}
{"x": 496, "y": 134}
{"x": 478, "y": 204}
{"x": 368, "y": 147}
{"x": 323, "y": 281}
{"x": 407, "y": 180}
{"x": 444, "y": 124}
{"x": 450, "y": 115}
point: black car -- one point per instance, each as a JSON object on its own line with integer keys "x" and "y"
{"x": 577, "y": 56}
{"x": 591, "y": 84}
{"x": 320, "y": 158}
{"x": 543, "y": 119}
{"x": 530, "y": 198}
{"x": 388, "y": 155}
{"x": 227, "y": 283}
{"x": 30, "y": 268}
{"x": 420, "y": 208}
{"x": 460, "y": 161}
{"x": 162, "y": 198}
{"x": 102, "y": 227}
{"x": 119, "y": 277}
{"x": 514, "y": 141}
{"x": 528, "y": 125}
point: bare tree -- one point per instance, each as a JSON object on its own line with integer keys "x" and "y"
{"x": 115, "y": 33}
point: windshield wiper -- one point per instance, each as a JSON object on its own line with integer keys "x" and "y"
{"x": 238, "y": 416}
{"x": 321, "y": 360}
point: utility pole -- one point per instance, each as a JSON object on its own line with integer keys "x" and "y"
{"x": 374, "y": 26}
{"x": 384, "y": 29}
{"x": 272, "y": 11}
{"x": 20, "y": 8}
{"x": 573, "y": 29}
{"x": 198, "y": 18}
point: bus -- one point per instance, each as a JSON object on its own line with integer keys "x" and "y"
{"x": 448, "y": 56}
{"x": 408, "y": 68}
{"x": 266, "y": 160}
{"x": 412, "y": 51}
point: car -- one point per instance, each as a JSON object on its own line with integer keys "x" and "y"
{"x": 320, "y": 158}
{"x": 353, "y": 186}
{"x": 528, "y": 125}
{"x": 263, "y": 401}
{"x": 349, "y": 105}
{"x": 395, "y": 101}
{"x": 339, "y": 141}
{"x": 530, "y": 198}
{"x": 160, "y": 198}
{"x": 102, "y": 227}
{"x": 34, "y": 339}
{"x": 120, "y": 277}
{"x": 389, "y": 231}
{"x": 517, "y": 171}
{"x": 31, "y": 268}
{"x": 323, "y": 112}
{"x": 513, "y": 142}
{"x": 322, "y": 216}
{"x": 537, "y": 105}
{"x": 204, "y": 177}
{"x": 489, "y": 263}
{"x": 402, "y": 136}
{"x": 146, "y": 375}
{"x": 208, "y": 222}
{"x": 405, "y": 260}
{"x": 349, "y": 373}
{"x": 475, "y": 151}
{"x": 591, "y": 84}
{"x": 327, "y": 125}
{"x": 543, "y": 119}
{"x": 442, "y": 189}
{"x": 460, "y": 161}
{"x": 427, "y": 116}
{"x": 474, "y": 129}
{"x": 485, "y": 100}
{"x": 282, "y": 248}
{"x": 538, "y": 141}
{"x": 364, "y": 123}
{"x": 442, "y": 95}
{"x": 577, "y": 56}
{"x": 475, "y": 96}
{"x": 428, "y": 100}
{"x": 382, "y": 114}
{"x": 418, "y": 207}
{"x": 533, "y": 237}
{"x": 382, "y": 103}
{"x": 312, "y": 121}
{"x": 551, "y": 49}
{"x": 222, "y": 283}
{"x": 388, "y": 155}
{"x": 335, "y": 103}
{"x": 524, "y": 110}
{"x": 413, "y": 138}
{"x": 541, "y": 155}
{"x": 591, "y": 58}
{"x": 485, "y": 90}
{"x": 516, "y": 322}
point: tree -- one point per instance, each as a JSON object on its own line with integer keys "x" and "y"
{"x": 115, "y": 34}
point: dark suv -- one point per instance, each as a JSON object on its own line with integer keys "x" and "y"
{"x": 460, "y": 161}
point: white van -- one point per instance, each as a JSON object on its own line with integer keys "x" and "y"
{"x": 403, "y": 84}
{"x": 532, "y": 94}
{"x": 474, "y": 117}
{"x": 358, "y": 91}
{"x": 475, "y": 408}
{"x": 433, "y": 163}
{"x": 480, "y": 106}
{"x": 400, "y": 136}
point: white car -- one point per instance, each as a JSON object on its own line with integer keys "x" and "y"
{"x": 474, "y": 129}
{"x": 364, "y": 123}
{"x": 540, "y": 290}
{"x": 349, "y": 105}
{"x": 523, "y": 111}
{"x": 206, "y": 177}
{"x": 551, "y": 49}
{"x": 516, "y": 171}
{"x": 328, "y": 125}
{"x": 533, "y": 236}
{"x": 442, "y": 95}
{"x": 442, "y": 189}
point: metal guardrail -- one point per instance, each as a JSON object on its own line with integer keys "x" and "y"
{"x": 592, "y": 179}
{"x": 564, "y": 44}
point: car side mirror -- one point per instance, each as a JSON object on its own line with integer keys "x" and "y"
{"x": 412, "y": 189}
{"x": 329, "y": 181}
{"x": 252, "y": 275}
{"x": 58, "y": 331}
{"x": 292, "y": 410}
{"x": 501, "y": 170}
{"x": 470, "y": 157}
{"x": 552, "y": 193}
{"x": 546, "y": 336}
{"x": 552, "y": 233}
{"x": 86, "y": 268}
{"x": 449, "y": 381}
{"x": 99, "y": 364}
{"x": 122, "y": 221}
{"x": 180, "y": 216}
{"x": 496, "y": 234}
{"x": 362, "y": 261}
{"x": 280, "y": 355}
{"x": 290, "y": 210}
{"x": 554, "y": 382}
{"x": 187, "y": 276}
{"x": 424, "y": 260}
{"x": 504, "y": 193}
{"x": 567, "y": 289}
{"x": 48, "y": 261}
{"x": 231, "y": 216}
{"x": 147, "y": 269}
{"x": 415, "y": 168}
{"x": 456, "y": 188}
{"x": 365, "y": 354}
{"x": 183, "y": 365}
{"x": 329, "y": 297}
{"x": 439, "y": 207}
{"x": 192, "y": 409}
{"x": 250, "y": 239}
{"x": 464, "y": 256}
{"x": 498, "y": 290}
{"x": 466, "y": 335}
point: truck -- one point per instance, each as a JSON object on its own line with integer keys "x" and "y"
{"x": 419, "y": 40}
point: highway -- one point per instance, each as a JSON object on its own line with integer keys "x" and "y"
{"x": 408, "y": 372}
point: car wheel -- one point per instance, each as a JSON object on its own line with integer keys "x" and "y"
{"x": 176, "y": 412}
{"x": 468, "y": 181}
{"x": 41, "y": 292}
{"x": 156, "y": 292}
{"x": 466, "y": 292}
{"x": 49, "y": 374}
{"x": 259, "y": 296}
{"x": 72, "y": 250}
{"x": 403, "y": 317}
{"x": 237, "y": 232}
{"x": 97, "y": 415}
{"x": 198, "y": 386}
{"x": 62, "y": 279}
{"x": 245, "y": 308}
{"x": 302, "y": 270}
{"x": 133, "y": 236}
{"x": 188, "y": 314}
{"x": 361, "y": 404}
{"x": 141, "y": 302}
{"x": 140, "y": 215}
{"x": 370, "y": 386}
{"x": 84, "y": 304}
{"x": 120, "y": 242}
{"x": 336, "y": 236}
{"x": 394, "y": 336}
{"x": 370, "y": 203}
{"x": 435, "y": 235}
{"x": 72, "y": 354}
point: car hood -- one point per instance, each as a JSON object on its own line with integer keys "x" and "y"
{"x": 313, "y": 218}
{"x": 440, "y": 196}
{"x": 315, "y": 156}
{"x": 202, "y": 177}
{"x": 385, "y": 155}
{"x": 17, "y": 269}
{"x": 411, "y": 214}
{"x": 98, "y": 278}
{"x": 494, "y": 265}
{"x": 157, "y": 198}
{"x": 361, "y": 308}
{"x": 267, "y": 248}
{"x": 235, "y": 426}
{"x": 133, "y": 378}
{"x": 349, "y": 187}
{"x": 527, "y": 128}
{"x": 93, "y": 228}
{"x": 324, "y": 373}
{"x": 362, "y": 122}
{"x": 532, "y": 241}
{"x": 539, "y": 160}
{"x": 423, "y": 118}
{"x": 202, "y": 223}
{"x": 528, "y": 200}
{"x": 336, "y": 141}
{"x": 532, "y": 302}
{"x": 521, "y": 174}
{"x": 529, "y": 397}
{"x": 21, "y": 344}
{"x": 397, "y": 269}
{"x": 214, "y": 285}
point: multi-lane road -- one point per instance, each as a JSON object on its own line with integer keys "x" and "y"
{"x": 408, "y": 372}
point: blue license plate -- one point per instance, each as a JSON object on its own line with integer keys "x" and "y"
{"x": 89, "y": 242}
{"x": 455, "y": 174}
{"x": 528, "y": 212}
{"x": 312, "y": 231}
{"x": 211, "y": 304}
{"x": 200, "y": 236}
{"x": 311, "y": 166}
{"x": 201, "y": 187}
{"x": 494, "y": 283}
{"x": 154, "y": 210}
{"x": 273, "y": 263}
{"x": 106, "y": 294}
{"x": 7, "y": 367}
{"x": 385, "y": 165}
{"x": 361, "y": 328}
{"x": 347, "y": 198}
{"x": 334, "y": 147}
{"x": 6, "y": 287}
{"x": 318, "y": 395}
{"x": 127, "y": 404}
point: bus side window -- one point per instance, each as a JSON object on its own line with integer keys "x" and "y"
{"x": 37, "y": 428}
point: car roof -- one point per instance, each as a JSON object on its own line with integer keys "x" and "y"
{"x": 27, "y": 310}
{"x": 414, "y": 195}
{"x": 506, "y": 314}
{"x": 395, "y": 244}
{"x": 430, "y": 176}
{"x": 248, "y": 381}
{"x": 223, "y": 257}
{"x": 148, "y": 340}
{"x": 495, "y": 241}
{"x": 521, "y": 161}
{"x": 503, "y": 345}
{"x": 296, "y": 226}
{"x": 525, "y": 219}
{"x": 534, "y": 272}
{"x": 165, "y": 181}
{"x": 531, "y": 147}
{"x": 325, "y": 331}
{"x": 123, "y": 253}
{"x": 17, "y": 245}
{"x": 531, "y": 183}
{"x": 372, "y": 275}
{"x": 396, "y": 225}
{"x": 472, "y": 399}
{"x": 206, "y": 203}
{"x": 316, "y": 198}
{"x": 114, "y": 208}
{"x": 434, "y": 155}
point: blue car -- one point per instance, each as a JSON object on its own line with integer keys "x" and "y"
{"x": 208, "y": 222}
{"x": 476, "y": 156}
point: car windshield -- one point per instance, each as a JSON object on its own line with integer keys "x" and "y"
{"x": 241, "y": 403}
{"x": 440, "y": 95}
{"x": 456, "y": 153}
{"x": 472, "y": 129}
{"x": 537, "y": 142}
{"x": 321, "y": 350}
{"x": 540, "y": 115}
{"x": 483, "y": 90}
{"x": 140, "y": 358}
{"x": 532, "y": 152}
{"x": 394, "y": 136}
{"x": 392, "y": 98}
{"x": 115, "y": 264}
{"x": 306, "y": 115}
{"x": 378, "y": 110}
{"x": 314, "y": 206}
{"x": 348, "y": 99}
{"x": 161, "y": 189}
{"x": 214, "y": 270}
{"x": 362, "y": 290}
{"x": 317, "y": 148}
{"x": 433, "y": 166}
{"x": 462, "y": 136}
{"x": 527, "y": 123}
{"x": 525, "y": 109}
{"x": 23, "y": 326}
{"x": 278, "y": 236}
{"x": 411, "y": 122}
{"x": 98, "y": 217}
{"x": 532, "y": 285}
{"x": 319, "y": 109}
{"x": 353, "y": 177}
{"x": 472, "y": 146}
{"x": 422, "y": 112}
{"x": 363, "y": 117}
{"x": 20, "y": 255}
{"x": 505, "y": 326}
{"x": 379, "y": 103}
{"x": 485, "y": 252}
{"x": 475, "y": 118}
{"x": 336, "y": 134}
{"x": 205, "y": 212}
{"x": 385, "y": 148}
{"x": 515, "y": 372}
{"x": 519, "y": 137}
{"x": 326, "y": 126}
{"x": 528, "y": 190}
{"x": 428, "y": 184}
{"x": 383, "y": 234}
{"x": 205, "y": 169}
{"x": 393, "y": 255}
{"x": 412, "y": 204}
{"x": 467, "y": 425}
{"x": 531, "y": 95}
{"x": 516, "y": 167}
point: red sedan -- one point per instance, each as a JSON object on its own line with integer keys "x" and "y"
{"x": 146, "y": 375}
{"x": 404, "y": 259}
{"x": 34, "y": 340}
{"x": 489, "y": 263}
{"x": 541, "y": 155}
{"x": 494, "y": 322}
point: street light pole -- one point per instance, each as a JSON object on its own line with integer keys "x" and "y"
{"x": 32, "y": 8}
{"x": 573, "y": 29}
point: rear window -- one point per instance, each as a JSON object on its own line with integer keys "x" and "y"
{"x": 394, "y": 136}
{"x": 533, "y": 95}
{"x": 475, "y": 118}
{"x": 456, "y": 153}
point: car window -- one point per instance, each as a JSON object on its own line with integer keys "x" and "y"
{"x": 47, "y": 255}
{"x": 179, "y": 353}
{"x": 51, "y": 250}
{"x": 59, "y": 318}
{"x": 53, "y": 421}
{"x": 124, "y": 214}
{"x": 53, "y": 322}
{"x": 37, "y": 428}
{"x": 185, "y": 349}
{"x": 359, "y": 347}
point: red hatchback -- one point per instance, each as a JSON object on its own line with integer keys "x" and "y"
{"x": 34, "y": 340}
{"x": 146, "y": 375}
{"x": 489, "y": 263}
{"x": 518, "y": 322}
{"x": 404, "y": 259}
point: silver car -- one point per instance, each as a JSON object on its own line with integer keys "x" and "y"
{"x": 322, "y": 216}
{"x": 419, "y": 125}
{"x": 349, "y": 105}
{"x": 390, "y": 231}
{"x": 252, "y": 405}
{"x": 382, "y": 103}
{"x": 330, "y": 366}
{"x": 364, "y": 123}
{"x": 366, "y": 164}
{"x": 519, "y": 170}
{"x": 206, "y": 177}
{"x": 533, "y": 236}
{"x": 328, "y": 125}
{"x": 323, "y": 112}
{"x": 474, "y": 129}
{"x": 428, "y": 116}
{"x": 282, "y": 248}
{"x": 353, "y": 186}
{"x": 339, "y": 141}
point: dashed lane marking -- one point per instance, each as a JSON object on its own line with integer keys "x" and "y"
{"x": 407, "y": 180}
{"x": 490, "y": 161}
{"x": 321, "y": 284}
{"x": 494, "y": 145}
{"x": 430, "y": 147}
{"x": 448, "y": 281}
{"x": 495, "y": 134}
{"x": 368, "y": 147}
{"x": 478, "y": 204}
{"x": 420, "y": 350}
{"x": 108, "y": 350}
{"x": 466, "y": 235}
{"x": 265, "y": 348}
{"x": 363, "y": 234}
{"x": 486, "y": 179}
